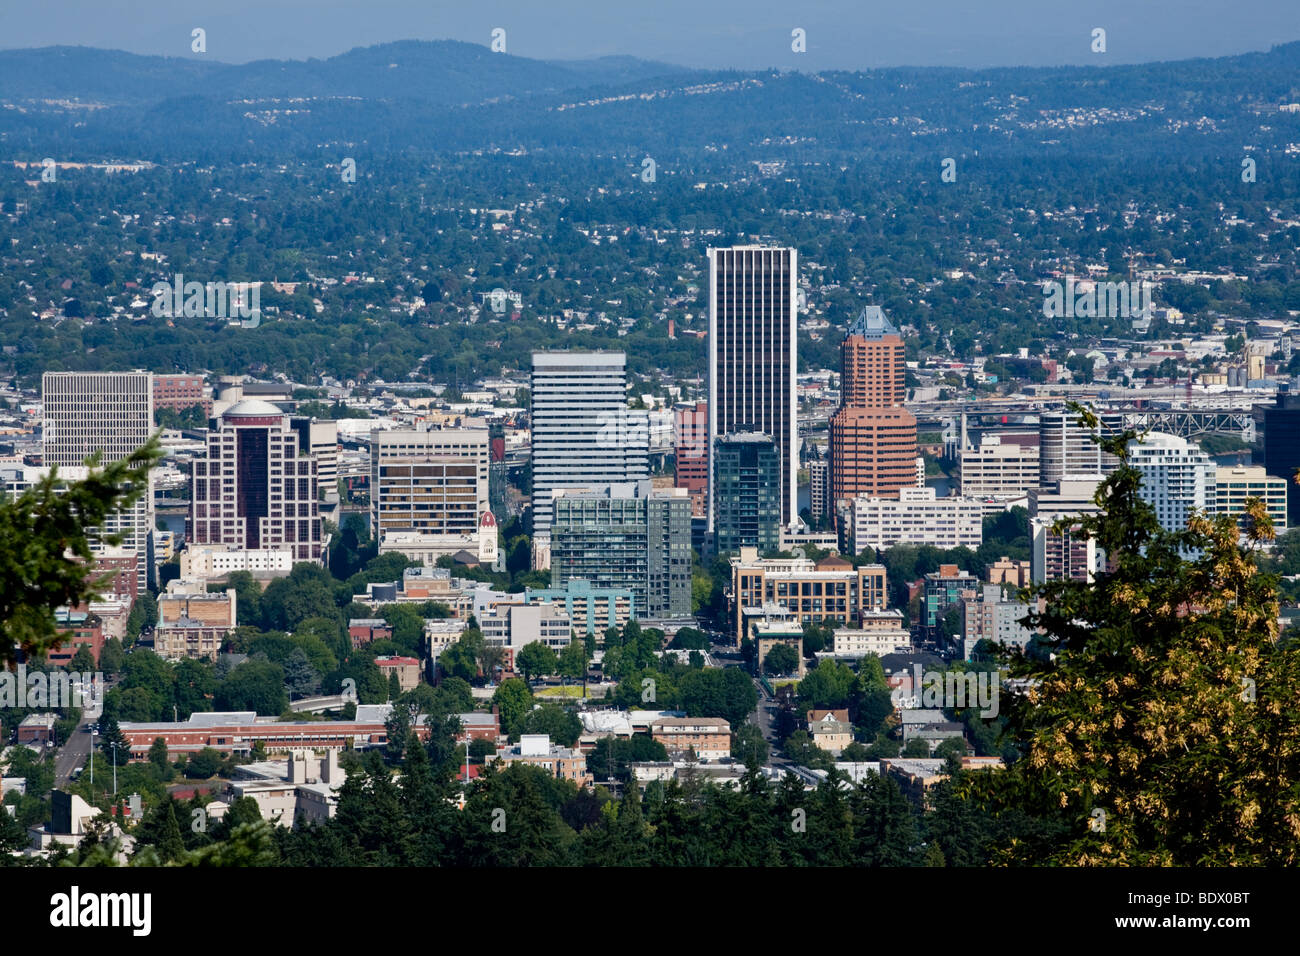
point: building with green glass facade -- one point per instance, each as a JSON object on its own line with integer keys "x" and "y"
{"x": 747, "y": 493}
{"x": 627, "y": 535}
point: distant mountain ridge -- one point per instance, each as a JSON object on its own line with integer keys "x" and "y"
{"x": 438, "y": 72}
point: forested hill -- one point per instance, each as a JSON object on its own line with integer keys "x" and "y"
{"x": 440, "y": 72}
{"x": 81, "y": 103}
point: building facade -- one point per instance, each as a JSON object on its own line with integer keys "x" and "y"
{"x": 918, "y": 516}
{"x": 255, "y": 490}
{"x": 746, "y": 482}
{"x": 753, "y": 357}
{"x": 1277, "y": 442}
{"x": 1177, "y": 477}
{"x": 627, "y": 536}
{"x": 583, "y": 433}
{"x": 1233, "y": 486}
{"x": 830, "y": 590}
{"x": 872, "y": 447}
{"x": 110, "y": 413}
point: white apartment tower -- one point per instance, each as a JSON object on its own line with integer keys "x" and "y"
{"x": 753, "y": 357}
{"x": 583, "y": 433}
{"x": 1177, "y": 477}
{"x": 109, "y": 412}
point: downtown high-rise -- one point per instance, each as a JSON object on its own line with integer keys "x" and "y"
{"x": 110, "y": 413}
{"x": 753, "y": 358}
{"x": 872, "y": 446}
{"x": 583, "y": 433}
{"x": 254, "y": 491}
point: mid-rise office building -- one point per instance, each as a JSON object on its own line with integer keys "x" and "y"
{"x": 753, "y": 358}
{"x": 831, "y": 590}
{"x": 110, "y": 413}
{"x": 592, "y": 610}
{"x": 1277, "y": 443}
{"x": 254, "y": 491}
{"x": 943, "y": 589}
{"x": 918, "y": 516}
{"x": 583, "y": 433}
{"x": 747, "y": 487}
{"x": 627, "y": 536}
{"x": 429, "y": 494}
{"x": 1000, "y": 468}
{"x": 1234, "y": 486}
{"x": 1177, "y": 477}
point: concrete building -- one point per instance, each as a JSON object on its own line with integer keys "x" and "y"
{"x": 881, "y": 633}
{"x": 1057, "y": 556}
{"x": 106, "y": 412}
{"x": 1061, "y": 555}
{"x": 746, "y": 493}
{"x": 514, "y": 626}
{"x": 1234, "y": 485}
{"x": 1177, "y": 477}
{"x": 321, "y": 441}
{"x": 830, "y": 590}
{"x": 217, "y": 561}
{"x": 917, "y": 516}
{"x": 583, "y": 433}
{"x": 429, "y": 493}
{"x": 819, "y": 490}
{"x": 989, "y": 615}
{"x": 628, "y": 536}
{"x": 254, "y": 491}
{"x": 999, "y": 468}
{"x": 753, "y": 358}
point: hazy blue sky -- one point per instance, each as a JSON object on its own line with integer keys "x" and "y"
{"x": 743, "y": 34}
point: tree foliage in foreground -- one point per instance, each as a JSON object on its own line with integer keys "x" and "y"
{"x": 1163, "y": 727}
{"x": 49, "y": 531}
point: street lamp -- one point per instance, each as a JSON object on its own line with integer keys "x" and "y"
{"x": 114, "y": 745}
{"x": 92, "y": 760}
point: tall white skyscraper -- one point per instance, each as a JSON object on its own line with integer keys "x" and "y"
{"x": 753, "y": 357}
{"x": 112, "y": 412}
{"x": 1177, "y": 477}
{"x": 583, "y": 433}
